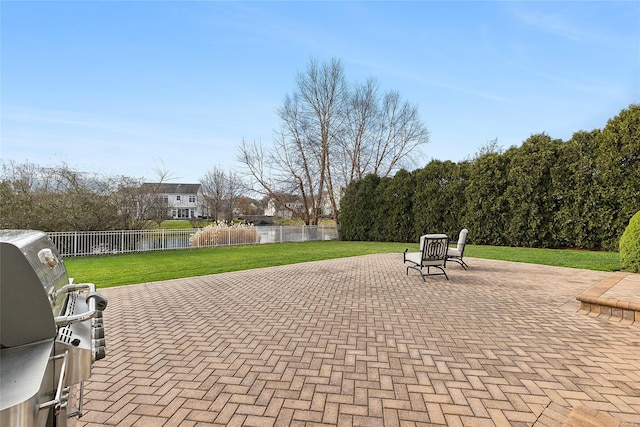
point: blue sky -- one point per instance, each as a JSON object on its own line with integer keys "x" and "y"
{"x": 128, "y": 87}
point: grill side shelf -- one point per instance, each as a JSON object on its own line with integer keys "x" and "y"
{"x": 22, "y": 371}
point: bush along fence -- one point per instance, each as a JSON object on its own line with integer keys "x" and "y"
{"x": 84, "y": 243}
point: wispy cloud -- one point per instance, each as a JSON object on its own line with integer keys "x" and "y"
{"x": 439, "y": 80}
{"x": 26, "y": 114}
{"x": 97, "y": 123}
{"x": 556, "y": 23}
{"x": 106, "y": 143}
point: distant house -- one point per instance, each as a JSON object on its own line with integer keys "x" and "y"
{"x": 182, "y": 201}
{"x": 278, "y": 210}
{"x": 294, "y": 203}
{"x": 326, "y": 207}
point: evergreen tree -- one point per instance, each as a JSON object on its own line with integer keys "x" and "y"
{"x": 396, "y": 214}
{"x": 530, "y": 197}
{"x": 487, "y": 210}
{"x": 574, "y": 189}
{"x": 618, "y": 174}
{"x": 358, "y": 209}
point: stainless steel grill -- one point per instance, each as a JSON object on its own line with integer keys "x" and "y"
{"x": 51, "y": 332}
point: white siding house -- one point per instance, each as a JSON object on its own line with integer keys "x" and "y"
{"x": 183, "y": 201}
{"x": 277, "y": 210}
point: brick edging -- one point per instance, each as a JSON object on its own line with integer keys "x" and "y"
{"x": 593, "y": 301}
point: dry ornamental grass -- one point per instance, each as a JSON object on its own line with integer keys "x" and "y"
{"x": 224, "y": 233}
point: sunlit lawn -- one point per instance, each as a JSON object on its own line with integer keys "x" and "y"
{"x": 115, "y": 270}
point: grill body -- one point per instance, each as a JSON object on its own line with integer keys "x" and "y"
{"x": 51, "y": 331}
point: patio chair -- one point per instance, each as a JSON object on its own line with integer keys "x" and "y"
{"x": 432, "y": 254}
{"x": 456, "y": 254}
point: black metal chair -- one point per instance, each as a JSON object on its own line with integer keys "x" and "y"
{"x": 432, "y": 254}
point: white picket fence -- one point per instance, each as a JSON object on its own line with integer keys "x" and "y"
{"x": 84, "y": 243}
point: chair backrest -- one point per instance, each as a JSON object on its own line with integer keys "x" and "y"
{"x": 434, "y": 247}
{"x": 462, "y": 239}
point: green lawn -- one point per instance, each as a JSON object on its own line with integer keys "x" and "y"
{"x": 590, "y": 260}
{"x": 115, "y": 270}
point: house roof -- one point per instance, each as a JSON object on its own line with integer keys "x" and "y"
{"x": 170, "y": 188}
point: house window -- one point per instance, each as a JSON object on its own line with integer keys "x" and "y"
{"x": 192, "y": 199}
{"x": 178, "y": 198}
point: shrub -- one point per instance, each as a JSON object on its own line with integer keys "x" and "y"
{"x": 630, "y": 245}
{"x": 223, "y": 233}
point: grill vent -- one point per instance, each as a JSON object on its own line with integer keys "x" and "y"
{"x": 71, "y": 304}
{"x": 64, "y": 335}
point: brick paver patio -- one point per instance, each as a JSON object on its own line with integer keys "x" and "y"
{"x": 355, "y": 341}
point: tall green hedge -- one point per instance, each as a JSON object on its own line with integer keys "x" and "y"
{"x": 359, "y": 209}
{"x": 394, "y": 219}
{"x": 529, "y": 193}
{"x": 574, "y": 177}
{"x": 439, "y": 201}
{"x": 487, "y": 207}
{"x": 545, "y": 193}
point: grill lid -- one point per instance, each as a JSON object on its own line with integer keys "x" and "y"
{"x": 30, "y": 270}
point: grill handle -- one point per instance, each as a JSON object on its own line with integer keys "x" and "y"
{"x": 59, "y": 401}
{"x": 95, "y": 301}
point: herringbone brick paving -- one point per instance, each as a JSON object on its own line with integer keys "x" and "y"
{"x": 356, "y": 341}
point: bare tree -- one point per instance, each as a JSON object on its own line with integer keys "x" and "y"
{"x": 221, "y": 191}
{"x": 264, "y": 176}
{"x": 361, "y": 115}
{"x": 247, "y": 206}
{"x": 213, "y": 192}
{"x": 330, "y": 135}
{"x": 234, "y": 186}
{"x": 62, "y": 198}
{"x": 17, "y": 195}
{"x": 134, "y": 202}
{"x": 57, "y": 198}
{"x": 299, "y": 161}
{"x": 382, "y": 135}
{"x": 143, "y": 204}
